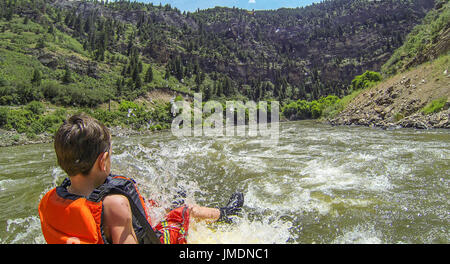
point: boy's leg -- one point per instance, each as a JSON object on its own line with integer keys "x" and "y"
{"x": 204, "y": 213}
{"x": 218, "y": 214}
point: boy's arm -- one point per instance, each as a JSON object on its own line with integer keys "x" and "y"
{"x": 117, "y": 221}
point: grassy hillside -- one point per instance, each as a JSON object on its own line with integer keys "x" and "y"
{"x": 426, "y": 42}
{"x": 69, "y": 75}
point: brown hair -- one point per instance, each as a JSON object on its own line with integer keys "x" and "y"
{"x": 78, "y": 143}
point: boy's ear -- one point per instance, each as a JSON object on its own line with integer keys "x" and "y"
{"x": 102, "y": 160}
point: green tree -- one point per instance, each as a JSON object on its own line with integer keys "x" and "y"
{"x": 37, "y": 78}
{"x": 9, "y": 14}
{"x": 119, "y": 86}
{"x": 3, "y": 116}
{"x": 40, "y": 43}
{"x": 149, "y": 75}
{"x": 135, "y": 74}
{"x": 67, "y": 78}
{"x": 207, "y": 92}
{"x": 138, "y": 83}
{"x": 167, "y": 75}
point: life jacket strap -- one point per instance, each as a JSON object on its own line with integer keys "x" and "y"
{"x": 107, "y": 189}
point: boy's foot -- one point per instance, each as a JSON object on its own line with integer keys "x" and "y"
{"x": 178, "y": 199}
{"x": 233, "y": 207}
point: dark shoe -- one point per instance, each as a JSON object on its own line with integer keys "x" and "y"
{"x": 178, "y": 199}
{"x": 233, "y": 207}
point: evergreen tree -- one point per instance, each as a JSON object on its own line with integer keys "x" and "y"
{"x": 219, "y": 88}
{"x": 78, "y": 26}
{"x": 119, "y": 86}
{"x": 207, "y": 92}
{"x": 9, "y": 14}
{"x": 140, "y": 66}
{"x": 198, "y": 80}
{"x": 167, "y": 75}
{"x": 51, "y": 30}
{"x": 67, "y": 78}
{"x": 40, "y": 43}
{"x": 149, "y": 75}
{"x": 258, "y": 92}
{"x": 138, "y": 83}
{"x": 37, "y": 78}
{"x": 178, "y": 68}
{"x": 228, "y": 89}
{"x": 135, "y": 74}
{"x": 100, "y": 54}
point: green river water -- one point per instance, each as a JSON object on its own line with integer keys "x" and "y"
{"x": 319, "y": 184}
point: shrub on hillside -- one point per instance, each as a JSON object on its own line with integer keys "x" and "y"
{"x": 35, "y": 107}
{"x": 435, "y": 106}
{"x": 365, "y": 80}
{"x": 4, "y": 112}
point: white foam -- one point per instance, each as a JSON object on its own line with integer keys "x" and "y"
{"x": 360, "y": 234}
{"x": 6, "y": 184}
{"x": 26, "y": 230}
{"x": 270, "y": 196}
{"x": 242, "y": 231}
{"x": 325, "y": 177}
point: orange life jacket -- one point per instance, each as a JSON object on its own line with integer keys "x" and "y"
{"x": 69, "y": 218}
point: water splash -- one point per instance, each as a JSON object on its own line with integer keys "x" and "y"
{"x": 31, "y": 226}
{"x": 360, "y": 234}
{"x": 243, "y": 231}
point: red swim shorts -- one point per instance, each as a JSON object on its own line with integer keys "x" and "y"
{"x": 175, "y": 227}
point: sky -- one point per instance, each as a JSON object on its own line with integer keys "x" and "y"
{"x": 192, "y": 5}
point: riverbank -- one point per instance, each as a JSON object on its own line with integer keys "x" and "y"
{"x": 37, "y": 122}
{"x": 13, "y": 138}
{"x": 439, "y": 120}
{"x": 417, "y": 121}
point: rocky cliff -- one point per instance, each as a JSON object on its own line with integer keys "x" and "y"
{"x": 403, "y": 99}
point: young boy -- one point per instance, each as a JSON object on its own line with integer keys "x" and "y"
{"x": 94, "y": 206}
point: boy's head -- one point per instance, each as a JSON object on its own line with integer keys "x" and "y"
{"x": 79, "y": 142}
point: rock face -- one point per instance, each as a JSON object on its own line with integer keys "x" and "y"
{"x": 317, "y": 49}
{"x": 74, "y": 63}
{"x": 397, "y": 102}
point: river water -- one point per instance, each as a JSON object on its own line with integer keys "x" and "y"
{"x": 319, "y": 184}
